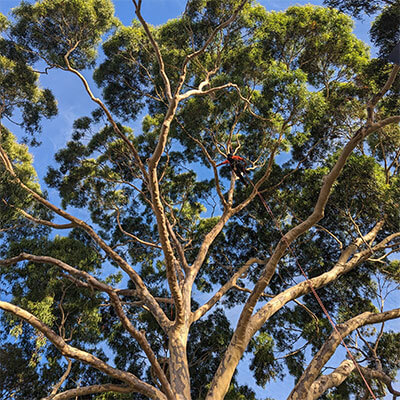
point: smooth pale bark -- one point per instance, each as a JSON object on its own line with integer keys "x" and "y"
{"x": 87, "y": 358}
{"x": 240, "y": 340}
{"x": 326, "y": 382}
{"x": 340, "y": 374}
{"x": 86, "y": 390}
{"x": 310, "y": 375}
{"x": 178, "y": 364}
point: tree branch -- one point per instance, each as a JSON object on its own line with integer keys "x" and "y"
{"x": 87, "y": 390}
{"x": 375, "y": 99}
{"x": 325, "y": 382}
{"x": 87, "y": 358}
{"x": 45, "y": 222}
{"x": 380, "y": 376}
{"x": 196, "y": 53}
{"x": 328, "y": 349}
{"x": 137, "y": 335}
{"x": 60, "y": 382}
{"x": 143, "y": 292}
{"x": 110, "y": 118}
{"x": 239, "y": 342}
{"x": 149, "y": 244}
{"x": 156, "y": 48}
{"x": 196, "y": 315}
{"x": 200, "y": 92}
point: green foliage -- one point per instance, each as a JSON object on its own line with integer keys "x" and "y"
{"x": 357, "y": 7}
{"x": 385, "y": 31}
{"x": 264, "y": 365}
{"x": 3, "y": 22}
{"x": 12, "y": 196}
{"x": 18, "y": 380}
{"x": 308, "y": 79}
{"x": 77, "y": 35}
{"x": 19, "y": 85}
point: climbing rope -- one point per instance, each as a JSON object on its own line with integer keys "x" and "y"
{"x": 314, "y": 292}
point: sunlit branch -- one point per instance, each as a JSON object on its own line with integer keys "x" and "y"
{"x": 110, "y": 118}
{"x": 346, "y": 262}
{"x": 87, "y": 358}
{"x": 88, "y": 390}
{"x": 142, "y": 289}
{"x": 328, "y": 349}
{"x": 197, "y": 53}
{"x": 325, "y": 382}
{"x": 201, "y": 92}
{"x": 196, "y": 315}
{"x": 139, "y": 336}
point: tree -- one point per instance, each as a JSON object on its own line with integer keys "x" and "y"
{"x": 385, "y": 31}
{"x": 136, "y": 303}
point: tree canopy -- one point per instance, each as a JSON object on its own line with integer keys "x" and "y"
{"x": 179, "y": 271}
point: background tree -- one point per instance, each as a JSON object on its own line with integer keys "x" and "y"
{"x": 138, "y": 302}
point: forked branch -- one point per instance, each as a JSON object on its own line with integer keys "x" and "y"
{"x": 313, "y": 370}
{"x": 72, "y": 352}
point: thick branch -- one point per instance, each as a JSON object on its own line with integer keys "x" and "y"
{"x": 87, "y": 358}
{"x": 208, "y": 240}
{"x": 342, "y": 267}
{"x": 162, "y": 225}
{"x": 137, "y": 335}
{"x": 239, "y": 342}
{"x": 87, "y": 390}
{"x": 325, "y": 382}
{"x": 328, "y": 349}
{"x": 294, "y": 233}
{"x": 340, "y": 374}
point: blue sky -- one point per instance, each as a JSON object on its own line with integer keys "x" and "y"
{"x": 74, "y": 103}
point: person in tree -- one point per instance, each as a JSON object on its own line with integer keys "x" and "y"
{"x": 237, "y": 164}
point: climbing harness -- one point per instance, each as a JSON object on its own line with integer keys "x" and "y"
{"x": 237, "y": 164}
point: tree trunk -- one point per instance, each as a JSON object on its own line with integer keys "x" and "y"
{"x": 178, "y": 364}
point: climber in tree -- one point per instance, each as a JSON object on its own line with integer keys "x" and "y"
{"x": 237, "y": 165}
